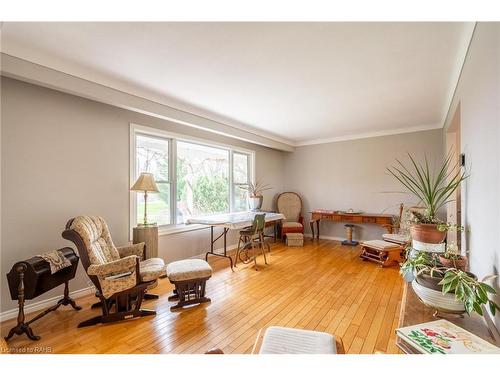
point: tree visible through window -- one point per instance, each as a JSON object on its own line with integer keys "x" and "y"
{"x": 202, "y": 180}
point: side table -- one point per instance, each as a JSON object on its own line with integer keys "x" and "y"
{"x": 148, "y": 235}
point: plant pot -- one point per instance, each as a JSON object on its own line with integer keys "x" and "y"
{"x": 428, "y": 238}
{"x": 431, "y": 294}
{"x": 255, "y": 203}
{"x": 437, "y": 300}
{"x": 430, "y": 282}
{"x": 427, "y": 233}
{"x": 460, "y": 264}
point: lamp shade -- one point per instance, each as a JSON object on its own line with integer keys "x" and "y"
{"x": 145, "y": 182}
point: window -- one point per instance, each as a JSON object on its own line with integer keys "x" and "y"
{"x": 152, "y": 155}
{"x": 194, "y": 177}
{"x": 241, "y": 166}
{"x": 202, "y": 180}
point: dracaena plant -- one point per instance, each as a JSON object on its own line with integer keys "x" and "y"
{"x": 433, "y": 188}
{"x": 255, "y": 190}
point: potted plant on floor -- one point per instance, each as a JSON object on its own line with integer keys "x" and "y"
{"x": 433, "y": 191}
{"x": 255, "y": 197}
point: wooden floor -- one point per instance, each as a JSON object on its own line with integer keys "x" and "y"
{"x": 322, "y": 286}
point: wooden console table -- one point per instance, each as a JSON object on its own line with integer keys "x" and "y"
{"x": 383, "y": 220}
{"x": 413, "y": 311}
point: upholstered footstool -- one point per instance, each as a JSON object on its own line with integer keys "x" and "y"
{"x": 189, "y": 277}
{"x": 294, "y": 239}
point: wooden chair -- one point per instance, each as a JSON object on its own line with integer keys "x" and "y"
{"x": 120, "y": 276}
{"x": 248, "y": 238}
{"x": 399, "y": 233}
{"x": 290, "y": 205}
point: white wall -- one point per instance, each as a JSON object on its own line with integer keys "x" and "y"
{"x": 64, "y": 156}
{"x": 352, "y": 174}
{"x": 478, "y": 94}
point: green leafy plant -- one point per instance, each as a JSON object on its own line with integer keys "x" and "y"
{"x": 420, "y": 262}
{"x": 452, "y": 252}
{"x": 255, "y": 190}
{"x": 433, "y": 190}
{"x": 468, "y": 290}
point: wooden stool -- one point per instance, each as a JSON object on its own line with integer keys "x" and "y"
{"x": 381, "y": 252}
{"x": 189, "y": 277}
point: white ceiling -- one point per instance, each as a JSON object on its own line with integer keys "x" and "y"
{"x": 296, "y": 82}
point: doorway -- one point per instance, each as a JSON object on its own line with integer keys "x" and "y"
{"x": 454, "y": 206}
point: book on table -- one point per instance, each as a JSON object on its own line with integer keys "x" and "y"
{"x": 444, "y": 337}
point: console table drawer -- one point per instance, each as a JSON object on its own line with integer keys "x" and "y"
{"x": 352, "y": 219}
{"x": 384, "y": 220}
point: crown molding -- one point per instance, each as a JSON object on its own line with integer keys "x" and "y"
{"x": 27, "y": 71}
{"x": 41, "y": 75}
{"x": 382, "y": 133}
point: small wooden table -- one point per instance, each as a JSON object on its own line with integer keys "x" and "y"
{"x": 149, "y": 235}
{"x": 383, "y": 220}
{"x": 413, "y": 311}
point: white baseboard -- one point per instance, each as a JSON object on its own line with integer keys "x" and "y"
{"x": 230, "y": 249}
{"x": 41, "y": 305}
{"x": 331, "y": 238}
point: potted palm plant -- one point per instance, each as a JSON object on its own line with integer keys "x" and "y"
{"x": 438, "y": 273}
{"x": 255, "y": 197}
{"x": 433, "y": 190}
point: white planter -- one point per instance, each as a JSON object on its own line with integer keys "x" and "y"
{"x": 428, "y": 247}
{"x": 255, "y": 203}
{"x": 438, "y": 300}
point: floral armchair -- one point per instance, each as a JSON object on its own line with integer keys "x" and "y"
{"x": 120, "y": 274}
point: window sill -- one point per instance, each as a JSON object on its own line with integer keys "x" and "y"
{"x": 180, "y": 228}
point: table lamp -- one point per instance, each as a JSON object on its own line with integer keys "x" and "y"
{"x": 146, "y": 183}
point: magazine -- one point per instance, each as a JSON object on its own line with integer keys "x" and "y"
{"x": 444, "y": 337}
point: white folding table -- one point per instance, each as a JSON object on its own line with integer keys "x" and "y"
{"x": 238, "y": 220}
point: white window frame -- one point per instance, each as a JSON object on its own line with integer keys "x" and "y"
{"x": 172, "y": 162}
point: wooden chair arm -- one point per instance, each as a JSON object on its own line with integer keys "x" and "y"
{"x": 129, "y": 263}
